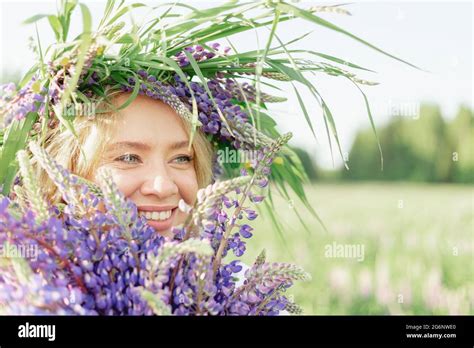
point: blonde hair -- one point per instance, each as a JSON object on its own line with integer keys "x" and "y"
{"x": 81, "y": 154}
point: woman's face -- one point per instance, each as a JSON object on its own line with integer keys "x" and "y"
{"x": 149, "y": 161}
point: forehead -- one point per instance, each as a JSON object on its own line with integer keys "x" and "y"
{"x": 148, "y": 121}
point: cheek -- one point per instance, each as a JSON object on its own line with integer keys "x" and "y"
{"x": 126, "y": 182}
{"x": 187, "y": 185}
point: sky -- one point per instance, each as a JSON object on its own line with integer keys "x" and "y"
{"x": 436, "y": 36}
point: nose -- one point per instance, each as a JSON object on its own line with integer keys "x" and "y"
{"x": 159, "y": 184}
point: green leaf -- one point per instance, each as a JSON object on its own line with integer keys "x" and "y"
{"x": 55, "y": 25}
{"x": 34, "y": 18}
{"x": 14, "y": 140}
{"x": 83, "y": 48}
{"x": 369, "y": 113}
{"x": 67, "y": 6}
{"x": 86, "y": 19}
{"x": 28, "y": 75}
{"x": 260, "y": 64}
{"x": 305, "y": 112}
{"x": 213, "y": 32}
{"x": 108, "y": 10}
{"x": 40, "y": 51}
{"x": 122, "y": 11}
{"x": 127, "y": 39}
{"x": 291, "y": 73}
{"x": 134, "y": 94}
{"x": 332, "y": 58}
{"x": 196, "y": 17}
{"x": 332, "y": 124}
{"x": 151, "y": 64}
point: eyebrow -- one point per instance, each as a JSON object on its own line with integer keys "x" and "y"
{"x": 179, "y": 145}
{"x": 138, "y": 145}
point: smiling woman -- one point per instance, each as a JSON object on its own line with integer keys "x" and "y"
{"x": 145, "y": 147}
{"x": 151, "y": 164}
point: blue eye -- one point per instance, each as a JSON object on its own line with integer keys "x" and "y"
{"x": 183, "y": 159}
{"x": 129, "y": 158}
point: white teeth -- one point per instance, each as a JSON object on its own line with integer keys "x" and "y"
{"x": 155, "y": 215}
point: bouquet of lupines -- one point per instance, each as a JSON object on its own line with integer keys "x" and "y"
{"x": 110, "y": 262}
{"x": 94, "y": 253}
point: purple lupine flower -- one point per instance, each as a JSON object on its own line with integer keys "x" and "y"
{"x": 142, "y": 73}
{"x": 245, "y": 231}
{"x": 251, "y": 214}
{"x": 16, "y": 105}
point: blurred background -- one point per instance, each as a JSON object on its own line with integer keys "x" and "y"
{"x": 412, "y": 223}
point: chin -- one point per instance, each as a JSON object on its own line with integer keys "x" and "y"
{"x": 168, "y": 234}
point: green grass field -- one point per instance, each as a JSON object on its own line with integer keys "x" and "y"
{"x": 417, "y": 239}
